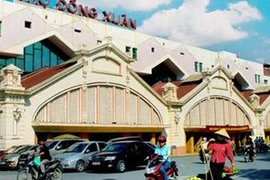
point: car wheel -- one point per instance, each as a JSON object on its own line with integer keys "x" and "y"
{"x": 80, "y": 166}
{"x": 121, "y": 166}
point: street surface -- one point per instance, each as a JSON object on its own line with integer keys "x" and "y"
{"x": 188, "y": 166}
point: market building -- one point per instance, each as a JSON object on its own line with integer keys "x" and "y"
{"x": 70, "y": 72}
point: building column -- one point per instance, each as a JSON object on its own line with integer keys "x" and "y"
{"x": 153, "y": 138}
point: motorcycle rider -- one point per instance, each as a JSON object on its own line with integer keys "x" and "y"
{"x": 249, "y": 149}
{"x": 164, "y": 150}
{"x": 45, "y": 156}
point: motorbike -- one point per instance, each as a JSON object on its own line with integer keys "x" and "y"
{"x": 249, "y": 153}
{"x": 153, "y": 169}
{"x": 53, "y": 170}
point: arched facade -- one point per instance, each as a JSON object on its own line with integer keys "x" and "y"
{"x": 96, "y": 106}
{"x": 212, "y": 113}
{"x": 204, "y": 104}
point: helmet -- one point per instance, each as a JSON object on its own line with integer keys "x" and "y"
{"x": 162, "y": 138}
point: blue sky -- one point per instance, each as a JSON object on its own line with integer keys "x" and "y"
{"x": 221, "y": 25}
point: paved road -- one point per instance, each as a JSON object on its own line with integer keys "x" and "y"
{"x": 188, "y": 166}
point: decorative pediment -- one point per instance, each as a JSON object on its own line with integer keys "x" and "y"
{"x": 106, "y": 65}
{"x": 254, "y": 100}
{"x": 219, "y": 83}
{"x": 169, "y": 92}
{"x": 11, "y": 77}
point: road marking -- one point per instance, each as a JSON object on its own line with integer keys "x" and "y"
{"x": 245, "y": 173}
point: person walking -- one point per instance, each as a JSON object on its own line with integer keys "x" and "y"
{"x": 164, "y": 150}
{"x": 220, "y": 149}
{"x": 203, "y": 153}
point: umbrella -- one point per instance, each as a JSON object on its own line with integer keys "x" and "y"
{"x": 66, "y": 136}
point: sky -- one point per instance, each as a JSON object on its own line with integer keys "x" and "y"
{"x": 240, "y": 27}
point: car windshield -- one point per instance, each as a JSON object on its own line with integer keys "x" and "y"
{"x": 51, "y": 144}
{"x": 22, "y": 149}
{"x": 76, "y": 148}
{"x": 115, "y": 147}
{"x": 11, "y": 149}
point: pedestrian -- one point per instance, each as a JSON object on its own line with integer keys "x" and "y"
{"x": 233, "y": 147}
{"x": 203, "y": 153}
{"x": 164, "y": 150}
{"x": 220, "y": 149}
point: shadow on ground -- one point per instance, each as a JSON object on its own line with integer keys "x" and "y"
{"x": 254, "y": 174}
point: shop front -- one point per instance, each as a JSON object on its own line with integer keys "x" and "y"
{"x": 194, "y": 136}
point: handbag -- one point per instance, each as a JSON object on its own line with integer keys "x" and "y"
{"x": 37, "y": 161}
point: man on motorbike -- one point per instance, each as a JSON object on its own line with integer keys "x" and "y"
{"x": 163, "y": 150}
{"x": 249, "y": 149}
{"x": 45, "y": 156}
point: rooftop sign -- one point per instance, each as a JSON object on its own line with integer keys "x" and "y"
{"x": 80, "y": 10}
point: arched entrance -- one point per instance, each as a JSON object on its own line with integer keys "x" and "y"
{"x": 210, "y": 115}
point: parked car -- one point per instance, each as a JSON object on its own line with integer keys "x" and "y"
{"x": 59, "y": 146}
{"x": 128, "y": 138}
{"x": 23, "y": 158}
{"x": 10, "y": 160}
{"x": 9, "y": 150}
{"x": 78, "y": 155}
{"x": 150, "y": 144}
{"x": 122, "y": 155}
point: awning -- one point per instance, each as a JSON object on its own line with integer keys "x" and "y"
{"x": 69, "y": 128}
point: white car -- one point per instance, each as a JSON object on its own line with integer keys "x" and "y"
{"x": 78, "y": 155}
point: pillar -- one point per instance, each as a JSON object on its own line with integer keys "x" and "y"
{"x": 153, "y": 138}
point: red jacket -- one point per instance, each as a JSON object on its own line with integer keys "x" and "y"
{"x": 220, "y": 152}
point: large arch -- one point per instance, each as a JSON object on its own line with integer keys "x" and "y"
{"x": 212, "y": 113}
{"x": 99, "y": 108}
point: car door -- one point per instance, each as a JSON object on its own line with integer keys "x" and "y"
{"x": 61, "y": 147}
{"x": 142, "y": 153}
{"x": 90, "y": 151}
{"x": 101, "y": 145}
{"x": 132, "y": 154}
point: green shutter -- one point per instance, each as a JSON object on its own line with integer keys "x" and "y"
{"x": 134, "y": 53}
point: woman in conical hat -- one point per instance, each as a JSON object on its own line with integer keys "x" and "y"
{"x": 223, "y": 133}
{"x": 221, "y": 150}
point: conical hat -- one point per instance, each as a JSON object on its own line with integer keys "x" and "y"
{"x": 223, "y": 132}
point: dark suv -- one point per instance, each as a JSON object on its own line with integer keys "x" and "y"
{"x": 120, "y": 155}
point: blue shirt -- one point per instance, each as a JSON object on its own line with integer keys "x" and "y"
{"x": 165, "y": 151}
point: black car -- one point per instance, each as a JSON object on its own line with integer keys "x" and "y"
{"x": 122, "y": 155}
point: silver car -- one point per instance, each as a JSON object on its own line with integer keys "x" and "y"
{"x": 78, "y": 155}
{"x": 10, "y": 160}
{"x": 61, "y": 145}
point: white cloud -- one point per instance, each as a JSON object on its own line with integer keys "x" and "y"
{"x": 266, "y": 41}
{"x": 193, "y": 24}
{"x": 132, "y": 5}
